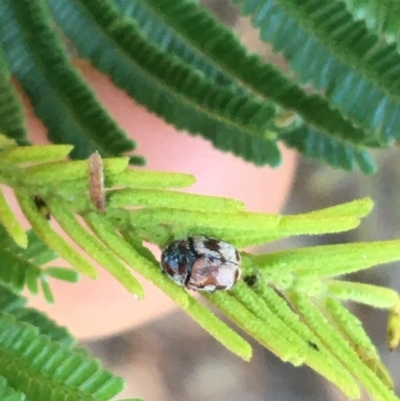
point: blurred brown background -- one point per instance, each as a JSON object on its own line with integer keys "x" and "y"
{"x": 173, "y": 359}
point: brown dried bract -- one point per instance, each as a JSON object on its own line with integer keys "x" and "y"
{"x": 96, "y": 182}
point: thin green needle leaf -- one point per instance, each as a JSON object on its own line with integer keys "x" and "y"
{"x": 290, "y": 227}
{"x": 48, "y": 173}
{"x": 337, "y": 344}
{"x": 48, "y": 294}
{"x": 62, "y": 273}
{"x": 32, "y": 281}
{"x": 319, "y": 359}
{"x": 169, "y": 199}
{"x": 286, "y": 343}
{"x": 352, "y": 329}
{"x": 300, "y": 225}
{"x": 17, "y": 271}
{"x": 288, "y": 331}
{"x": 115, "y": 165}
{"x": 149, "y": 179}
{"x": 218, "y": 329}
{"x": 368, "y": 294}
{"x": 37, "y": 250}
{"x": 330, "y": 220}
{"x": 331, "y": 260}
{"x": 358, "y": 208}
{"x": 243, "y": 318}
{"x": 7, "y": 242}
{"x": 51, "y": 238}
{"x": 349, "y": 325}
{"x": 239, "y": 220}
{"x": 147, "y": 269}
{"x": 10, "y": 222}
{"x": 93, "y": 247}
{"x": 311, "y": 225}
{"x": 35, "y": 154}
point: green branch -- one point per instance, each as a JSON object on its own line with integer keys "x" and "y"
{"x": 285, "y": 300}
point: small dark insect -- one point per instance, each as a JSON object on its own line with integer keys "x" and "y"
{"x": 313, "y": 345}
{"x": 96, "y": 182}
{"x": 42, "y": 206}
{"x": 251, "y": 280}
{"x": 202, "y": 264}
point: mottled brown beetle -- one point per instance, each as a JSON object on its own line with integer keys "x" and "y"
{"x": 202, "y": 264}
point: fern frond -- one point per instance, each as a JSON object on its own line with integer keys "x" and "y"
{"x": 37, "y": 250}
{"x": 350, "y": 41}
{"x": 12, "y": 120}
{"x": 115, "y": 60}
{"x": 185, "y": 97}
{"x": 212, "y": 39}
{"x": 346, "y": 88}
{"x": 44, "y": 369}
{"x": 154, "y": 29}
{"x": 319, "y": 146}
{"x": 196, "y": 27}
{"x": 15, "y": 305}
{"x": 381, "y": 17}
{"x": 37, "y": 57}
{"x": 22, "y": 267}
{"x": 8, "y": 393}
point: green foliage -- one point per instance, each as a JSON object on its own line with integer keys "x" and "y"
{"x": 344, "y": 51}
{"x": 295, "y": 293}
{"x": 27, "y": 265}
{"x": 211, "y": 40}
{"x": 8, "y": 393}
{"x": 38, "y": 59}
{"x": 15, "y": 305}
{"x": 381, "y": 17}
{"x": 184, "y": 96}
{"x": 44, "y": 369}
{"x": 339, "y": 98}
{"x": 11, "y": 112}
{"x": 39, "y": 360}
